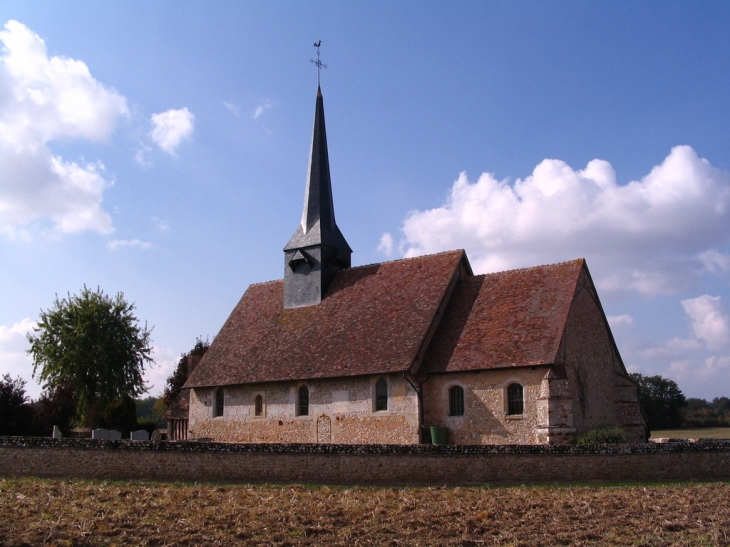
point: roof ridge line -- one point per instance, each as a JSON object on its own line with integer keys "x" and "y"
{"x": 407, "y": 258}
{"x": 372, "y": 264}
{"x": 266, "y": 282}
{"x": 525, "y": 268}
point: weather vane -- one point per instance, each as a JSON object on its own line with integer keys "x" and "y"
{"x": 320, "y": 64}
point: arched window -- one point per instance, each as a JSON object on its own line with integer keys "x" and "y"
{"x": 381, "y": 395}
{"x": 515, "y": 403}
{"x": 303, "y": 402}
{"x": 258, "y": 406}
{"x": 219, "y": 403}
{"x": 456, "y": 401}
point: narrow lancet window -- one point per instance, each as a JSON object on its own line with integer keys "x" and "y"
{"x": 381, "y": 395}
{"x": 219, "y": 403}
{"x": 303, "y": 402}
{"x": 515, "y": 401}
{"x": 456, "y": 401}
{"x": 258, "y": 406}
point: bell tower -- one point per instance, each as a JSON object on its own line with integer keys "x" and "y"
{"x": 317, "y": 250}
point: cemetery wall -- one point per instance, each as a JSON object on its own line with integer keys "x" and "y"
{"x": 363, "y": 464}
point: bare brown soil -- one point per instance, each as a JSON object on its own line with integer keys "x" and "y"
{"x": 64, "y": 512}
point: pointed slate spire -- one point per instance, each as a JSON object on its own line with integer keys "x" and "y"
{"x": 317, "y": 250}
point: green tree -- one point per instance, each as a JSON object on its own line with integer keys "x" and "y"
{"x": 145, "y": 406}
{"x": 151, "y": 410}
{"x": 661, "y": 400}
{"x": 187, "y": 361}
{"x": 94, "y": 342}
{"x": 56, "y": 406}
{"x": 721, "y": 408}
{"x": 698, "y": 413}
{"x": 15, "y": 415}
{"x": 121, "y": 415}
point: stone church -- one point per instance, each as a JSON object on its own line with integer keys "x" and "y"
{"x": 385, "y": 352}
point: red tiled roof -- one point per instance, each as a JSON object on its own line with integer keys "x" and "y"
{"x": 372, "y": 321}
{"x": 505, "y": 319}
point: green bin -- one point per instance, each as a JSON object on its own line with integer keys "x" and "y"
{"x": 439, "y": 435}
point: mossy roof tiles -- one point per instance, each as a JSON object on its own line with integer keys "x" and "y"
{"x": 372, "y": 321}
{"x": 505, "y": 319}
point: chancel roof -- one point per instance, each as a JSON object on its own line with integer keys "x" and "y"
{"x": 505, "y": 319}
{"x": 373, "y": 320}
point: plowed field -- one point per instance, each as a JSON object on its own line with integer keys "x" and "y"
{"x": 63, "y": 512}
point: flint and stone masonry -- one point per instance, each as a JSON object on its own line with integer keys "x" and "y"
{"x": 423, "y": 465}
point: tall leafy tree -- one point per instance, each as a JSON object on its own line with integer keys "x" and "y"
{"x": 15, "y": 415}
{"x": 662, "y": 401}
{"x": 187, "y": 362}
{"x": 721, "y": 407}
{"x": 94, "y": 342}
{"x": 121, "y": 414}
{"x": 56, "y": 406}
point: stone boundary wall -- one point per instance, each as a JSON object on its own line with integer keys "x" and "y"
{"x": 424, "y": 465}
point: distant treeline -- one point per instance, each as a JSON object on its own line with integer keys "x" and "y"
{"x": 702, "y": 413}
{"x": 665, "y": 406}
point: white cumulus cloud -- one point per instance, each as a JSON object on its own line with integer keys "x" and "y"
{"x": 709, "y": 375}
{"x": 699, "y": 362}
{"x": 171, "y": 127}
{"x": 142, "y": 156}
{"x": 116, "y": 244}
{"x": 620, "y": 321}
{"x": 43, "y": 99}
{"x": 13, "y": 357}
{"x": 654, "y": 235}
{"x": 709, "y": 320}
{"x": 385, "y": 244}
{"x": 715, "y": 262}
{"x": 155, "y": 376}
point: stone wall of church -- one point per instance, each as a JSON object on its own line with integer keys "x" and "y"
{"x": 600, "y": 390}
{"x": 340, "y": 411}
{"x": 485, "y": 419}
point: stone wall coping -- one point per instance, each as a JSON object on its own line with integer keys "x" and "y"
{"x": 687, "y": 445}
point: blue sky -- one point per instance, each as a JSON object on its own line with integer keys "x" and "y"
{"x": 160, "y": 149}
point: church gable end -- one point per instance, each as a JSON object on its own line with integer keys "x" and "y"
{"x": 600, "y": 390}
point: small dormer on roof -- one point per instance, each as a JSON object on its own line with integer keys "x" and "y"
{"x": 317, "y": 250}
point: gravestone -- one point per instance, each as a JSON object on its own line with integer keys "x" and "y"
{"x": 108, "y": 434}
{"x": 156, "y": 435}
{"x": 57, "y": 432}
{"x": 139, "y": 435}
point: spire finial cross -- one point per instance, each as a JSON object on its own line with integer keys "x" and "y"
{"x": 320, "y": 64}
